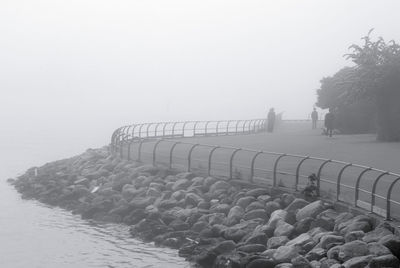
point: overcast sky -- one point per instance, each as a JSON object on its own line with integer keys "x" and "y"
{"x": 100, "y": 64}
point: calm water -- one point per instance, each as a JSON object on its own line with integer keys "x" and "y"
{"x": 35, "y": 235}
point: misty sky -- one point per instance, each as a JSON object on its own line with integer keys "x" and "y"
{"x": 100, "y": 64}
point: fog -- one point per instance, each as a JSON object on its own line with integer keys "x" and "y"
{"x": 80, "y": 68}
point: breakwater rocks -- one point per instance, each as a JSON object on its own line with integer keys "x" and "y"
{"x": 212, "y": 222}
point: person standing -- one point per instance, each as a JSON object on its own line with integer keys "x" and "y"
{"x": 329, "y": 122}
{"x": 314, "y": 118}
{"x": 271, "y": 120}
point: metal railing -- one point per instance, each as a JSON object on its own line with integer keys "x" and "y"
{"x": 357, "y": 185}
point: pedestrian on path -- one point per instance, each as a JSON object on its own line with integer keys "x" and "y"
{"x": 271, "y": 120}
{"x": 329, "y": 123}
{"x": 314, "y": 118}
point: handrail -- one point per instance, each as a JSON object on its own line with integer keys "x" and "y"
{"x": 123, "y": 138}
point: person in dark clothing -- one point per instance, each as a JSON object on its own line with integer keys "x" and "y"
{"x": 329, "y": 122}
{"x": 271, "y": 120}
{"x": 314, "y": 118}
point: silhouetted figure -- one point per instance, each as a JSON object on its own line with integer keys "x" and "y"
{"x": 329, "y": 122}
{"x": 271, "y": 120}
{"x": 314, "y": 118}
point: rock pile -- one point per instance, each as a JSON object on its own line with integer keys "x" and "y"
{"x": 213, "y": 222}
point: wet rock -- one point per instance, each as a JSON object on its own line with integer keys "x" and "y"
{"x": 179, "y": 225}
{"x": 199, "y": 226}
{"x": 300, "y": 240}
{"x": 358, "y": 223}
{"x": 245, "y": 201}
{"x": 284, "y": 265}
{"x": 221, "y": 208}
{"x": 276, "y": 216}
{"x": 141, "y": 202}
{"x": 192, "y": 199}
{"x": 206, "y": 258}
{"x": 303, "y": 225}
{"x": 277, "y": 241}
{"x": 181, "y": 184}
{"x": 310, "y": 210}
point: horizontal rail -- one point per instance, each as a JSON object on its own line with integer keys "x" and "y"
{"x": 127, "y": 142}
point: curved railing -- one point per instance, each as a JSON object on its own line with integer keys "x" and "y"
{"x": 357, "y": 185}
{"x": 184, "y": 129}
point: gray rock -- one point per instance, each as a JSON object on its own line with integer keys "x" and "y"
{"x": 284, "y": 265}
{"x": 358, "y": 262}
{"x": 257, "y": 238}
{"x": 378, "y": 249}
{"x": 255, "y": 205}
{"x": 287, "y": 199}
{"x": 316, "y": 254}
{"x": 300, "y": 240}
{"x": 353, "y": 249}
{"x": 271, "y": 206}
{"x": 311, "y": 210}
{"x": 254, "y": 214}
{"x": 261, "y": 263}
{"x": 235, "y": 214}
{"x": 225, "y": 246}
{"x": 276, "y": 216}
{"x": 296, "y": 204}
{"x": 392, "y": 242}
{"x": 384, "y": 261}
{"x": 300, "y": 262}
{"x": 245, "y": 201}
{"x": 376, "y": 234}
{"x": 219, "y": 185}
{"x": 277, "y": 241}
{"x": 285, "y": 253}
{"x": 283, "y": 229}
{"x": 257, "y": 192}
{"x": 329, "y": 241}
{"x": 199, "y": 226}
{"x": 252, "y": 248}
{"x": 354, "y": 235}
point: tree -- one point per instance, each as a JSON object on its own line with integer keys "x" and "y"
{"x": 377, "y": 77}
{"x": 371, "y": 86}
{"x": 351, "y": 118}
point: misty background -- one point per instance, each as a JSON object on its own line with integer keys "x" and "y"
{"x": 73, "y": 71}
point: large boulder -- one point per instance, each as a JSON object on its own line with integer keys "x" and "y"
{"x": 277, "y": 215}
{"x": 243, "y": 202}
{"x": 271, "y": 206}
{"x": 353, "y": 249}
{"x": 251, "y": 248}
{"x": 181, "y": 184}
{"x": 329, "y": 241}
{"x": 384, "y": 261}
{"x": 296, "y": 204}
{"x": 219, "y": 185}
{"x": 257, "y": 192}
{"x": 301, "y": 262}
{"x": 378, "y": 249}
{"x": 358, "y": 262}
{"x": 225, "y": 246}
{"x": 310, "y": 210}
{"x": 254, "y": 214}
{"x": 235, "y": 214}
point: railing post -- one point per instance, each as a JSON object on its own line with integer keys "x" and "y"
{"x": 374, "y": 189}
{"x": 298, "y": 172}
{"x": 388, "y": 197}
{"x": 340, "y": 179}
{"x": 147, "y": 129}
{"x": 140, "y": 150}
{"x": 164, "y": 127}
{"x": 154, "y": 151}
{"x": 231, "y": 162}
{"x": 358, "y": 185}
{"x": 237, "y": 125}
{"x": 253, "y": 161}
{"x": 209, "y": 159}
{"x": 319, "y": 175}
{"x": 190, "y": 155}
{"x": 218, "y": 122}
{"x": 140, "y": 130}
{"x": 206, "y": 128}
{"x": 183, "y": 128}
{"x": 194, "y": 128}
{"x": 129, "y": 149}
{"x": 275, "y": 169}
{"x": 244, "y": 126}
{"x": 170, "y": 153}
{"x": 227, "y": 127}
{"x": 173, "y": 128}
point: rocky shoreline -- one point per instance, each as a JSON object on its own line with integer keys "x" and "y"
{"x": 212, "y": 222}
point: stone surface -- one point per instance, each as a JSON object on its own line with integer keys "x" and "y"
{"x": 310, "y": 210}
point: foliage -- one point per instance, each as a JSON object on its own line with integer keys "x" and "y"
{"x": 374, "y": 80}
